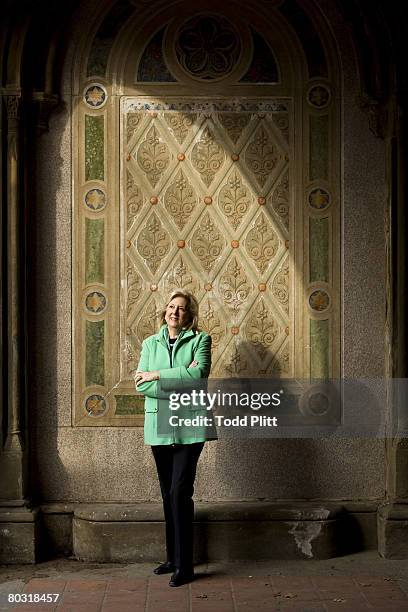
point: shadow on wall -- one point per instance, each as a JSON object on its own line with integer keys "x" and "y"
{"x": 49, "y": 291}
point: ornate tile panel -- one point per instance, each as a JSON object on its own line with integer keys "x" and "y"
{"x": 204, "y": 200}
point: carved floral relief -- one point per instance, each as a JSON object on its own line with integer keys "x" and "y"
{"x": 207, "y": 242}
{"x": 153, "y": 243}
{"x": 262, "y": 242}
{"x": 234, "y": 199}
{"x": 261, "y": 155}
{"x": 207, "y": 156}
{"x": 153, "y": 156}
{"x": 261, "y": 329}
{"x": 180, "y": 199}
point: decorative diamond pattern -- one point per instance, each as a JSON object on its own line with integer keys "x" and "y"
{"x": 211, "y": 217}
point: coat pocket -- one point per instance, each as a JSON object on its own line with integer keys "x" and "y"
{"x": 150, "y": 405}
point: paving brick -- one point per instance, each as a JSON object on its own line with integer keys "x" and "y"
{"x": 329, "y": 583}
{"x": 299, "y": 583}
{"x": 127, "y": 584}
{"x": 222, "y": 598}
{"x": 32, "y": 607}
{"x": 124, "y": 596}
{"x": 221, "y": 594}
{"x": 79, "y": 608}
{"x": 213, "y": 583}
{"x": 209, "y": 589}
{"x": 212, "y": 608}
{"x": 85, "y": 585}
{"x": 81, "y": 599}
{"x": 338, "y": 607}
{"x": 339, "y": 594}
{"x": 260, "y": 604}
{"x": 396, "y": 607}
{"x": 42, "y": 585}
{"x": 293, "y": 595}
{"x": 165, "y": 607}
{"x": 123, "y": 607}
{"x": 384, "y": 591}
{"x": 311, "y": 606}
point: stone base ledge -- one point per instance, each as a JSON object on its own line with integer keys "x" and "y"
{"x": 19, "y": 534}
{"x": 393, "y": 531}
{"x": 252, "y": 530}
{"x": 213, "y": 511}
{"x": 223, "y": 530}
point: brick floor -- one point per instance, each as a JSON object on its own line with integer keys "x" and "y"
{"x": 218, "y": 594}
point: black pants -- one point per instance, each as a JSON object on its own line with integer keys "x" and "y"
{"x": 176, "y": 466}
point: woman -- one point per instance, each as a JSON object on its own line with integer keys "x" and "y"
{"x": 177, "y": 355}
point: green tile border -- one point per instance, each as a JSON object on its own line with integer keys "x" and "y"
{"x": 319, "y": 348}
{"x": 94, "y": 353}
{"x": 318, "y": 147}
{"x": 129, "y": 404}
{"x": 94, "y": 148}
{"x": 94, "y": 250}
{"x": 319, "y": 249}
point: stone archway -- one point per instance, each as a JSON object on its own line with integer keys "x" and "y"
{"x": 255, "y": 228}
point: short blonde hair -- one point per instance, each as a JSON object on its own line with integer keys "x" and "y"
{"x": 191, "y": 308}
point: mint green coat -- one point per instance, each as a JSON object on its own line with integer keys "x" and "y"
{"x": 155, "y": 355}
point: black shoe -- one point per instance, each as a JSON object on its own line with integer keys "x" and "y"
{"x": 165, "y": 568}
{"x": 181, "y": 577}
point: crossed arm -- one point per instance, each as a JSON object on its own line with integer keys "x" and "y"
{"x": 146, "y": 381}
{"x": 141, "y": 377}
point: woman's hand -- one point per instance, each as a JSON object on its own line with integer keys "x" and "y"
{"x": 193, "y": 364}
{"x": 141, "y": 377}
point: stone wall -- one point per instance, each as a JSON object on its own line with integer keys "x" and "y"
{"x": 112, "y": 464}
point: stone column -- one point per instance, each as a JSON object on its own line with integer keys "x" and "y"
{"x": 393, "y": 515}
{"x": 18, "y": 524}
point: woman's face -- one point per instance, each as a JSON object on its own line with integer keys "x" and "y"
{"x": 176, "y": 315}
